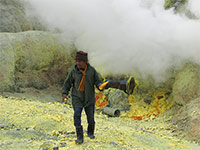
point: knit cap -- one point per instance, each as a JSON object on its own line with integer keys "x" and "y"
{"x": 81, "y": 56}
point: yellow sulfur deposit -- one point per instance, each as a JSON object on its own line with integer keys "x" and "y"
{"x": 32, "y": 125}
{"x": 101, "y": 101}
{"x": 148, "y": 111}
{"x": 139, "y": 110}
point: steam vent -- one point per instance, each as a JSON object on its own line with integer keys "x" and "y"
{"x": 140, "y": 72}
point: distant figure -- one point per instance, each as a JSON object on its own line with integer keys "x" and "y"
{"x": 82, "y": 79}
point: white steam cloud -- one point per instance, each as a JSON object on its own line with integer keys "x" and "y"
{"x": 123, "y": 35}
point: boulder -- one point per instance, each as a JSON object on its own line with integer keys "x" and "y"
{"x": 117, "y": 99}
{"x": 187, "y": 84}
{"x": 174, "y": 3}
{"x": 7, "y": 62}
{"x": 14, "y": 17}
{"x": 188, "y": 120}
{"x": 33, "y": 59}
{"x": 180, "y": 6}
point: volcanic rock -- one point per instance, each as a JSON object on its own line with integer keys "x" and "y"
{"x": 188, "y": 120}
{"x": 187, "y": 84}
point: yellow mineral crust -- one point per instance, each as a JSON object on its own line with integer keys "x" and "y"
{"x": 139, "y": 110}
{"x": 32, "y": 124}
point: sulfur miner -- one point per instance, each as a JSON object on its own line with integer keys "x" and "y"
{"x": 82, "y": 79}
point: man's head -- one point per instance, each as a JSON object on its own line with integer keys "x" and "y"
{"x": 81, "y": 59}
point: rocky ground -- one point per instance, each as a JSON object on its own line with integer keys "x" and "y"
{"x": 37, "y": 120}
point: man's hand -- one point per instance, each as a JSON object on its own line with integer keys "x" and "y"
{"x": 64, "y": 98}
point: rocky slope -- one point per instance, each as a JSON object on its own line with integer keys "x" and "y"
{"x": 14, "y": 17}
{"x": 33, "y": 59}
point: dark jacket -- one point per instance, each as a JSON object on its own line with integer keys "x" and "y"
{"x": 87, "y": 97}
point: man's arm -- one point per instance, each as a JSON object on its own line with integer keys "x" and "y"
{"x": 67, "y": 86}
{"x": 97, "y": 80}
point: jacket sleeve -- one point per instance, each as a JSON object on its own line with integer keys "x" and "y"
{"x": 68, "y": 83}
{"x": 97, "y": 80}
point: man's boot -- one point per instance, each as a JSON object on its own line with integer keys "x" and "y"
{"x": 90, "y": 131}
{"x": 79, "y": 133}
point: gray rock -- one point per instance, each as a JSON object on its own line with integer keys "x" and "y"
{"x": 188, "y": 120}
{"x": 3, "y": 126}
{"x": 33, "y": 59}
{"x": 117, "y": 99}
{"x": 14, "y": 17}
{"x": 187, "y": 84}
{"x": 114, "y": 143}
{"x": 48, "y": 146}
{"x": 63, "y": 144}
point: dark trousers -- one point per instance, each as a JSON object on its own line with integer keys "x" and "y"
{"x": 89, "y": 113}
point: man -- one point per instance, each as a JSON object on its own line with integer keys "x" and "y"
{"x": 82, "y": 78}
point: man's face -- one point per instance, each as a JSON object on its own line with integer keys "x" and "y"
{"x": 80, "y": 64}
